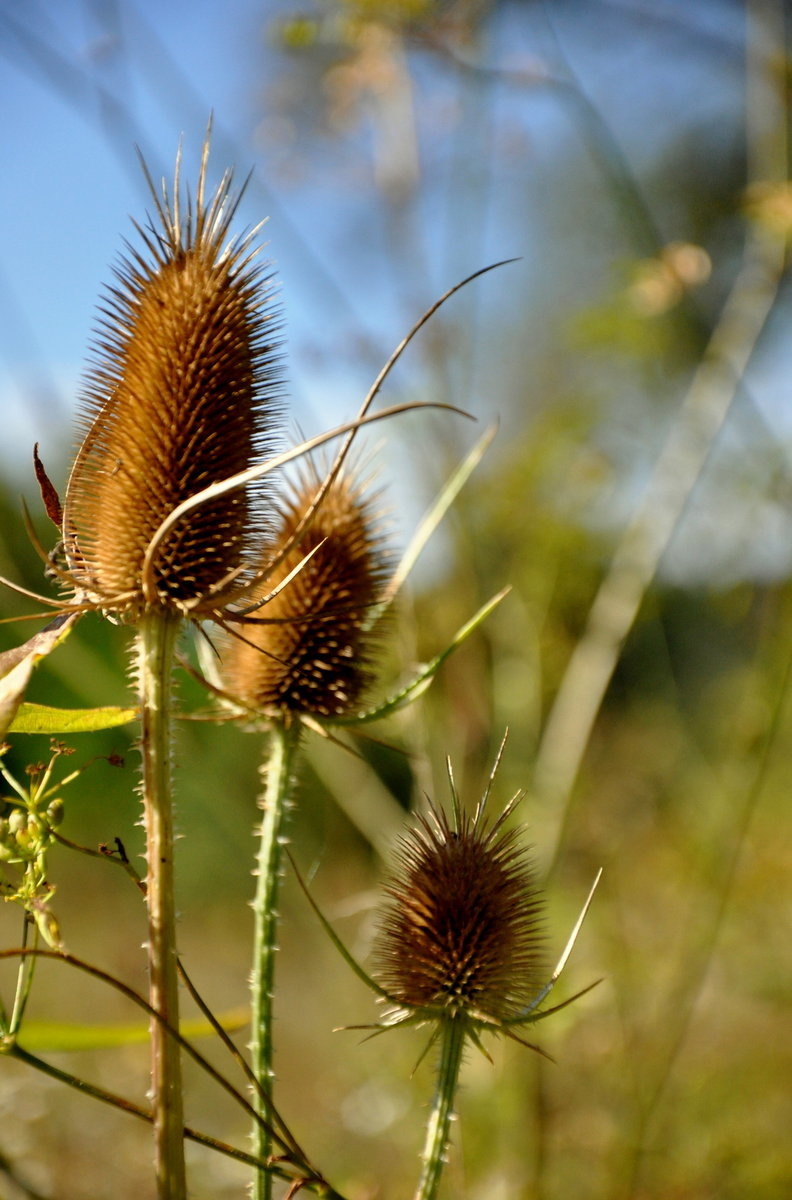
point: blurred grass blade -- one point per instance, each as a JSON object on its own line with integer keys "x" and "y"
{"x": 63, "y": 1036}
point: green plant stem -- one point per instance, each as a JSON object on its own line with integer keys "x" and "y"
{"x": 156, "y": 642}
{"x": 24, "y": 982}
{"x": 277, "y": 771}
{"x": 438, "y": 1129}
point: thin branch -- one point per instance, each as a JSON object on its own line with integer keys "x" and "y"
{"x": 136, "y": 998}
{"x": 135, "y": 1110}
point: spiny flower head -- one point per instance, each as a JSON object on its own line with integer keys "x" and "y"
{"x": 308, "y": 649}
{"x": 180, "y": 396}
{"x": 460, "y": 934}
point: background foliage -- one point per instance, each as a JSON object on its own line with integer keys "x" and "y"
{"x": 635, "y": 157}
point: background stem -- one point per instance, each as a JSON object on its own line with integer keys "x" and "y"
{"x": 277, "y": 771}
{"x": 439, "y": 1127}
{"x": 157, "y": 635}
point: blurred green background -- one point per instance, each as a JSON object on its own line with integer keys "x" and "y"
{"x": 634, "y": 157}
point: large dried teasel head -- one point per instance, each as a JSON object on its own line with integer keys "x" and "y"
{"x": 307, "y": 651}
{"x": 180, "y": 396}
{"x": 460, "y": 935}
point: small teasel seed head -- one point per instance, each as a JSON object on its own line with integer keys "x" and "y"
{"x": 310, "y": 650}
{"x": 181, "y": 394}
{"x": 460, "y": 930}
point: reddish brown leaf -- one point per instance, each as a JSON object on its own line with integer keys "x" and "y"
{"x": 48, "y": 494}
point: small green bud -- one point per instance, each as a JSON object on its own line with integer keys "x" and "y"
{"x": 55, "y": 812}
{"x": 17, "y": 821}
{"x": 47, "y": 925}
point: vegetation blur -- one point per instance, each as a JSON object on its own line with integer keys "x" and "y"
{"x": 636, "y": 498}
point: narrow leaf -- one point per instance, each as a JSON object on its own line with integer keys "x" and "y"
{"x": 336, "y": 940}
{"x": 420, "y": 682}
{"x": 576, "y": 928}
{"x": 565, "y": 953}
{"x": 42, "y": 718}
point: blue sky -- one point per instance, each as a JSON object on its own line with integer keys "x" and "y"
{"x": 73, "y": 180}
{"x": 72, "y": 177}
{"x": 83, "y": 81}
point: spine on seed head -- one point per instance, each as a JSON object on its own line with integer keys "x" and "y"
{"x": 460, "y": 933}
{"x": 182, "y": 393}
{"x": 309, "y": 649}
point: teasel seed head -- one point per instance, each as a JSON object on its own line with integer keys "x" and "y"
{"x": 460, "y": 934}
{"x": 308, "y": 650}
{"x": 182, "y": 393}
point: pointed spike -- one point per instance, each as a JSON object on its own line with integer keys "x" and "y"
{"x": 174, "y": 207}
{"x": 201, "y": 190}
{"x": 482, "y": 804}
{"x": 162, "y": 212}
{"x": 455, "y": 801}
{"x": 576, "y": 928}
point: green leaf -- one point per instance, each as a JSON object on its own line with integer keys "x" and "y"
{"x": 55, "y": 1036}
{"x": 16, "y": 666}
{"x": 42, "y": 718}
{"x": 420, "y": 682}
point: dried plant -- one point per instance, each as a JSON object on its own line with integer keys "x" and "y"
{"x": 461, "y": 934}
{"x": 304, "y": 662}
{"x": 460, "y": 946}
{"x": 304, "y": 655}
{"x": 310, "y": 654}
{"x": 169, "y": 517}
{"x": 181, "y": 395}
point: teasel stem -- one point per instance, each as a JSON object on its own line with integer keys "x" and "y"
{"x": 156, "y": 642}
{"x": 452, "y": 1033}
{"x": 278, "y": 773}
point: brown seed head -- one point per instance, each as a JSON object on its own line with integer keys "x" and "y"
{"x": 180, "y": 395}
{"x": 460, "y": 933}
{"x": 311, "y": 652}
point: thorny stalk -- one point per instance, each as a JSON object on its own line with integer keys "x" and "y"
{"x": 277, "y": 771}
{"x": 156, "y": 639}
